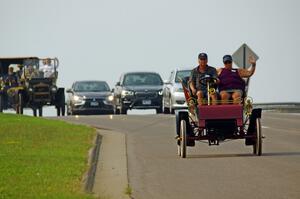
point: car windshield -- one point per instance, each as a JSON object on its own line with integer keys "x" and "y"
{"x": 182, "y": 74}
{"x": 91, "y": 87}
{"x": 138, "y": 79}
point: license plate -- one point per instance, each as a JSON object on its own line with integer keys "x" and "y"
{"x": 94, "y": 103}
{"x": 146, "y": 102}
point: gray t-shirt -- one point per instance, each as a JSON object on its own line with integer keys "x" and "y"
{"x": 196, "y": 75}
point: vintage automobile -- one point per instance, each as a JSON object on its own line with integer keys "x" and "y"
{"x": 25, "y": 83}
{"x": 216, "y": 123}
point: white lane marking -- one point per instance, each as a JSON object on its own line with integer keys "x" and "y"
{"x": 265, "y": 127}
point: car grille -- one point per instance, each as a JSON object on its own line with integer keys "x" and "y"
{"x": 146, "y": 94}
{"x": 41, "y": 89}
{"x": 41, "y": 92}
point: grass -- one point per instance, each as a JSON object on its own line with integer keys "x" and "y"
{"x": 128, "y": 191}
{"x": 42, "y": 158}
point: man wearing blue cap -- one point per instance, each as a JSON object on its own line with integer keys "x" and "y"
{"x": 199, "y": 72}
{"x": 231, "y": 83}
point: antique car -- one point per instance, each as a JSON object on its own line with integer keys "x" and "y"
{"x": 217, "y": 123}
{"x": 30, "y": 82}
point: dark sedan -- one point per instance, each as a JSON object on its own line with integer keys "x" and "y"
{"x": 138, "y": 90}
{"x": 89, "y": 97}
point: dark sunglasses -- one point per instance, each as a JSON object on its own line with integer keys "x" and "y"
{"x": 228, "y": 62}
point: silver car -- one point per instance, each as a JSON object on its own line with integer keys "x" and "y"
{"x": 89, "y": 97}
{"x": 173, "y": 96}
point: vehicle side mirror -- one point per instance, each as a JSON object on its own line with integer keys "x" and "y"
{"x": 113, "y": 90}
{"x": 118, "y": 84}
{"x": 69, "y": 90}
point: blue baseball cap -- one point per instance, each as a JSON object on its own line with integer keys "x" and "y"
{"x": 227, "y": 58}
{"x": 202, "y": 56}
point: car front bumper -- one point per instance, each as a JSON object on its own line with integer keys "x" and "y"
{"x": 93, "y": 106}
{"x": 142, "y": 103}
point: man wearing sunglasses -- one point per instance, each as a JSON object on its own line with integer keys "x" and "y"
{"x": 199, "y": 72}
{"x": 231, "y": 83}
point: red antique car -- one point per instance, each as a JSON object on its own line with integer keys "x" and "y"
{"x": 217, "y": 123}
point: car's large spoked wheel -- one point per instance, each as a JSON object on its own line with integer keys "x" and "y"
{"x": 257, "y": 146}
{"x": 183, "y": 138}
{"x": 20, "y": 106}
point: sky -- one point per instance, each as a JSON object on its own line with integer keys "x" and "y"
{"x": 101, "y": 39}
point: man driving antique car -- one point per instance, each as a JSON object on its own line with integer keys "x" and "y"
{"x": 199, "y": 73}
{"x": 30, "y": 73}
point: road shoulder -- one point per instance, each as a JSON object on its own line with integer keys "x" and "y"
{"x": 111, "y": 179}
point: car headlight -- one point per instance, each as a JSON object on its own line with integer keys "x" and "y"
{"x": 30, "y": 90}
{"x": 160, "y": 92}
{"x": 126, "y": 93}
{"x": 110, "y": 98}
{"x": 78, "y": 98}
{"x": 54, "y": 89}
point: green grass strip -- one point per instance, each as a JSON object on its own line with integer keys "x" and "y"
{"x": 42, "y": 158}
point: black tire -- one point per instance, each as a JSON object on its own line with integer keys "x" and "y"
{"x": 183, "y": 138}
{"x": 116, "y": 110}
{"x": 159, "y": 110}
{"x": 165, "y": 110}
{"x": 20, "y": 106}
{"x": 34, "y": 110}
{"x": 257, "y": 146}
{"x": 40, "y": 111}
{"x": 1, "y": 103}
{"x": 123, "y": 110}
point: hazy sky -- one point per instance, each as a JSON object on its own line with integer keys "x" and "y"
{"x": 100, "y": 39}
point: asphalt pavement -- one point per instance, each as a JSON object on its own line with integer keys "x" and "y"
{"x": 225, "y": 171}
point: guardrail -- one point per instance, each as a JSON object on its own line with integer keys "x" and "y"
{"x": 280, "y": 106}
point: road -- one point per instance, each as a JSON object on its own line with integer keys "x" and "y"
{"x": 225, "y": 171}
